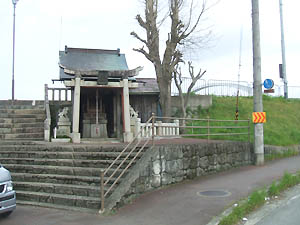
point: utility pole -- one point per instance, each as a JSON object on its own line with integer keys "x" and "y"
{"x": 257, "y": 85}
{"x": 283, "y": 52}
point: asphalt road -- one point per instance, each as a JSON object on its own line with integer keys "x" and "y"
{"x": 285, "y": 215}
{"x": 284, "y": 211}
{"x": 178, "y": 204}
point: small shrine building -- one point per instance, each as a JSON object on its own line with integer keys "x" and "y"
{"x": 100, "y": 82}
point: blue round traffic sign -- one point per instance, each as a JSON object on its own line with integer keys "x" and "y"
{"x": 268, "y": 83}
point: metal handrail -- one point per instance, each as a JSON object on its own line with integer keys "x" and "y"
{"x": 214, "y": 120}
{"x": 103, "y": 173}
{"x": 209, "y": 127}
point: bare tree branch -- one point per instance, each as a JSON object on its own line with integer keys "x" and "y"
{"x": 141, "y": 22}
{"x": 146, "y": 54}
{"x": 137, "y": 37}
{"x": 194, "y": 81}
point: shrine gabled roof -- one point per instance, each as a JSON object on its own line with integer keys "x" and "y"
{"x": 91, "y": 59}
{"x": 147, "y": 86}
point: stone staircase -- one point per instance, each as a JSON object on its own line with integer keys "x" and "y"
{"x": 22, "y": 120}
{"x": 65, "y": 176}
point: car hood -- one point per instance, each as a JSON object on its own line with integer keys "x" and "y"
{"x": 4, "y": 175}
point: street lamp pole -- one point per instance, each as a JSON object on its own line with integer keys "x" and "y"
{"x": 13, "y": 62}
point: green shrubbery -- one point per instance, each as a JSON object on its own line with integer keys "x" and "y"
{"x": 281, "y": 129}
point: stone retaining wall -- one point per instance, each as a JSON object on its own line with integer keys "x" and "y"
{"x": 270, "y": 149}
{"x": 171, "y": 164}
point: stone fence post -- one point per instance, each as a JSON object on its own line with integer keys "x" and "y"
{"x": 177, "y": 127}
{"x": 137, "y": 129}
{"x": 159, "y": 128}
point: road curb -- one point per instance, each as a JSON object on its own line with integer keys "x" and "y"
{"x": 263, "y": 211}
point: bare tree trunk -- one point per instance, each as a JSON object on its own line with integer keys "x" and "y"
{"x": 180, "y": 33}
{"x": 165, "y": 95}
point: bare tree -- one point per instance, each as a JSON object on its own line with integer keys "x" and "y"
{"x": 181, "y": 27}
{"x": 184, "y": 98}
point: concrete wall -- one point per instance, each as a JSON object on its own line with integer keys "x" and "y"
{"x": 204, "y": 101}
{"x": 172, "y": 164}
{"x": 270, "y": 149}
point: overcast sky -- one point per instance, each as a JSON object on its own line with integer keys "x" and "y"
{"x": 45, "y": 27}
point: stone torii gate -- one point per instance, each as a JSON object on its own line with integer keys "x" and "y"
{"x": 78, "y": 81}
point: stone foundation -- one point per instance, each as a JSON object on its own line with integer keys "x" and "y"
{"x": 172, "y": 164}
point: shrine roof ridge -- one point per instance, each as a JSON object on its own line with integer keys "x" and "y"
{"x": 90, "y": 50}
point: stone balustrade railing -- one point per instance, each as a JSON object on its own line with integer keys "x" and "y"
{"x": 58, "y": 94}
{"x": 159, "y": 128}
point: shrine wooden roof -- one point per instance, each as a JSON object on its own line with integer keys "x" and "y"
{"x": 92, "y": 63}
{"x": 147, "y": 86}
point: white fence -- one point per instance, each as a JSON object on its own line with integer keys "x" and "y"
{"x": 229, "y": 88}
{"x": 161, "y": 129}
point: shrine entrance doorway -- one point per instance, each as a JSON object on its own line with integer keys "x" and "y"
{"x": 101, "y": 112}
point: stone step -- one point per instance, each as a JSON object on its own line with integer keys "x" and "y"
{"x": 28, "y": 130}
{"x": 60, "y": 199}
{"x": 64, "y": 162}
{"x": 59, "y": 170}
{"x": 53, "y": 147}
{"x": 29, "y": 111}
{"x": 21, "y": 107}
{"x": 22, "y": 116}
{"x": 7, "y": 143}
{"x": 5, "y": 130}
{"x": 24, "y": 125}
{"x": 58, "y": 179}
{"x": 31, "y": 136}
{"x": 28, "y": 120}
{"x": 19, "y": 104}
{"x": 6, "y": 110}
{"x": 5, "y": 125}
{"x": 6, "y": 120}
{"x": 57, "y": 148}
{"x": 79, "y": 190}
{"x": 49, "y": 205}
{"x": 63, "y": 155}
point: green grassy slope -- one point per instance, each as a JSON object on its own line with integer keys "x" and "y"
{"x": 283, "y": 117}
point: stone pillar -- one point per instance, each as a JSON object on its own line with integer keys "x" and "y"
{"x": 138, "y": 127}
{"x": 159, "y": 129}
{"x": 128, "y": 136}
{"x": 118, "y": 113}
{"x": 177, "y": 127}
{"x": 47, "y": 135}
{"x": 76, "y": 110}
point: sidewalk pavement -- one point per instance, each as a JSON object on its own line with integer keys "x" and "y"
{"x": 179, "y": 204}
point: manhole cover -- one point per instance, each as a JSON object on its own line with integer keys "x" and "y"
{"x": 214, "y": 193}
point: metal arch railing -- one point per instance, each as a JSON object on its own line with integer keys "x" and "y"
{"x": 229, "y": 88}
{"x": 215, "y": 87}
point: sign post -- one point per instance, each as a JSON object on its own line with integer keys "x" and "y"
{"x": 268, "y": 85}
{"x": 259, "y": 117}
